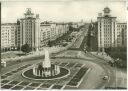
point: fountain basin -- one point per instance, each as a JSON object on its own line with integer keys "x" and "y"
{"x": 29, "y": 75}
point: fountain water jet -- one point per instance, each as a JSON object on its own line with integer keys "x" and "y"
{"x": 46, "y": 69}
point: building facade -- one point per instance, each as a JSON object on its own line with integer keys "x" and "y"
{"x": 8, "y": 33}
{"x": 30, "y": 30}
{"x": 45, "y": 35}
{"x": 61, "y": 29}
{"x": 121, "y": 34}
{"x": 108, "y": 31}
{"x": 51, "y": 31}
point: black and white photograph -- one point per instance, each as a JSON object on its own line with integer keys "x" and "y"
{"x": 63, "y": 44}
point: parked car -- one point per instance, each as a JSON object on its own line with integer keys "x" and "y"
{"x": 105, "y": 78}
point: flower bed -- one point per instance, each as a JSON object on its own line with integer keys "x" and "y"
{"x": 77, "y": 78}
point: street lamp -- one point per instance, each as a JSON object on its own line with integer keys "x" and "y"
{"x": 115, "y": 69}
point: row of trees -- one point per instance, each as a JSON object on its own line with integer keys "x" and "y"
{"x": 65, "y": 37}
{"x": 26, "y": 48}
{"x": 58, "y": 41}
{"x": 90, "y": 29}
{"x": 92, "y": 37}
{"x": 89, "y": 36}
{"x": 118, "y": 53}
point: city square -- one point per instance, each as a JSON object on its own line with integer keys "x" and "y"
{"x": 71, "y": 50}
{"x": 62, "y": 83}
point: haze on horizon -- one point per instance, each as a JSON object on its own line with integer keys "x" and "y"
{"x": 64, "y": 11}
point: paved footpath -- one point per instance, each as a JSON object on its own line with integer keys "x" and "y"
{"x": 120, "y": 75}
{"x": 92, "y": 80}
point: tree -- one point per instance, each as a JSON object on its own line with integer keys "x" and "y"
{"x": 118, "y": 52}
{"x": 89, "y": 36}
{"x": 50, "y": 43}
{"x": 26, "y": 48}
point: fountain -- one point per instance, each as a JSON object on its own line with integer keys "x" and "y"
{"x": 45, "y": 70}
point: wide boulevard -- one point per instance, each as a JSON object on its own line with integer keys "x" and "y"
{"x": 98, "y": 66}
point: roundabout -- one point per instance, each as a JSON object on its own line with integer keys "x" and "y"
{"x": 29, "y": 75}
{"x": 45, "y": 70}
{"x": 75, "y": 73}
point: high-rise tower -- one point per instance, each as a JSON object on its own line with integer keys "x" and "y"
{"x": 106, "y": 30}
{"x": 30, "y": 29}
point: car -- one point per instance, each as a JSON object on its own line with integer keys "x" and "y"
{"x": 105, "y": 78}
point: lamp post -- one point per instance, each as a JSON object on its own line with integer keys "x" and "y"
{"x": 115, "y": 70}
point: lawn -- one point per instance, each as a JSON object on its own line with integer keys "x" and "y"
{"x": 29, "y": 73}
{"x": 11, "y": 54}
{"x": 77, "y": 78}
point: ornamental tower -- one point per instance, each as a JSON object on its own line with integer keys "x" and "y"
{"x": 106, "y": 12}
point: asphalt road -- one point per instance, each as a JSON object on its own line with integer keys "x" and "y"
{"x": 109, "y": 71}
{"x": 79, "y": 40}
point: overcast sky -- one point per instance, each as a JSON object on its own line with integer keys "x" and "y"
{"x": 63, "y": 10}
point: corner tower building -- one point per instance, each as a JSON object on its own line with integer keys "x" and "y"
{"x": 30, "y": 30}
{"x": 106, "y": 30}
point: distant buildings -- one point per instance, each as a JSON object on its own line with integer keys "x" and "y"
{"x": 32, "y": 31}
{"x": 75, "y": 25}
{"x": 122, "y": 34}
{"x": 109, "y": 31}
{"x": 44, "y": 33}
{"x": 51, "y": 31}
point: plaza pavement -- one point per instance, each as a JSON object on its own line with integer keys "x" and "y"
{"x": 89, "y": 81}
{"x": 101, "y": 55}
{"x": 121, "y": 78}
{"x": 120, "y": 74}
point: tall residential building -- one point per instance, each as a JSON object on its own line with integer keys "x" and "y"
{"x": 45, "y": 29}
{"x": 106, "y": 30}
{"x": 110, "y": 32}
{"x": 8, "y": 31}
{"x": 61, "y": 28}
{"x": 30, "y": 30}
{"x": 121, "y": 34}
{"x": 18, "y": 35}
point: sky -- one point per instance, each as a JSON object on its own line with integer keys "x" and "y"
{"x": 62, "y": 10}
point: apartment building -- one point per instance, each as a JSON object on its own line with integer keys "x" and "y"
{"x": 110, "y": 31}
{"x": 30, "y": 30}
{"x": 8, "y": 31}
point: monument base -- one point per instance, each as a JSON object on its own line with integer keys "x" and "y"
{"x": 39, "y": 70}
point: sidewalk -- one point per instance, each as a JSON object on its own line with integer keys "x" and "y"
{"x": 38, "y": 53}
{"x": 101, "y": 55}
